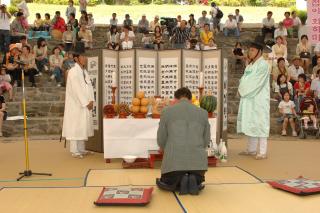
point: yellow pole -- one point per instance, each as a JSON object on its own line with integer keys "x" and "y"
{"x": 26, "y": 143}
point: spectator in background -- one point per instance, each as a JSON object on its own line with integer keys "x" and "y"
{"x": 17, "y": 29}
{"x": 47, "y": 22}
{"x": 268, "y": 25}
{"x": 295, "y": 69}
{"x": 114, "y": 20}
{"x": 280, "y": 69}
{"x": 4, "y": 29}
{"x": 288, "y": 23}
{"x": 56, "y": 61}
{"x": 279, "y": 50}
{"x": 128, "y": 22}
{"x": 157, "y": 40}
{"x": 24, "y": 20}
{"x": 85, "y": 36}
{"x": 68, "y": 63}
{"x": 191, "y": 21}
{"x": 154, "y": 23}
{"x": 113, "y": 38}
{"x": 58, "y": 23}
{"x": 238, "y": 52}
{"x": 30, "y": 66}
{"x": 316, "y": 68}
{"x": 304, "y": 51}
{"x": 70, "y": 9}
{"x": 296, "y": 21}
{"x": 147, "y": 40}
{"x": 315, "y": 86}
{"x": 207, "y": 39}
{"x": 231, "y": 27}
{"x": 193, "y": 39}
{"x": 203, "y": 20}
{"x": 41, "y": 55}
{"x": 73, "y": 22}
{"x": 215, "y": 19}
{"x": 281, "y": 31}
{"x": 303, "y": 29}
{"x": 13, "y": 68}
{"x": 83, "y": 5}
{"x": 127, "y": 37}
{"x": 180, "y": 36}
{"x": 38, "y": 23}
{"x": 239, "y": 19}
{"x": 302, "y": 89}
{"x": 3, "y": 112}
{"x": 316, "y": 51}
{"x": 143, "y": 25}
{"x": 5, "y": 80}
{"x": 84, "y": 19}
{"x": 68, "y": 38}
{"x": 178, "y": 20}
{"x": 23, "y": 42}
{"x": 282, "y": 86}
{"x": 286, "y": 108}
{"x": 90, "y": 22}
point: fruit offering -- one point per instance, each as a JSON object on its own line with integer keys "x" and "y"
{"x": 123, "y": 110}
{"x": 140, "y": 105}
{"x": 195, "y": 101}
{"x": 209, "y": 103}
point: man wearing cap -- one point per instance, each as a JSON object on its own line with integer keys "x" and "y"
{"x": 77, "y": 122}
{"x": 295, "y": 69}
{"x": 143, "y": 25}
{"x": 254, "y": 109}
{"x": 4, "y": 28}
{"x": 231, "y": 26}
{"x": 154, "y": 23}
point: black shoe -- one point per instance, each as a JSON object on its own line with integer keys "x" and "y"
{"x": 165, "y": 186}
{"x": 33, "y": 85}
{"x": 184, "y": 189}
{"x": 193, "y": 185}
{"x": 201, "y": 187}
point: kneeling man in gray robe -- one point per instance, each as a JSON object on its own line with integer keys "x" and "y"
{"x": 183, "y": 135}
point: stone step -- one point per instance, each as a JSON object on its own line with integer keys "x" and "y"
{"x": 39, "y": 94}
{"x": 36, "y": 126}
{"x": 37, "y": 108}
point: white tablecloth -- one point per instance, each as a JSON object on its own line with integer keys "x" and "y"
{"x": 134, "y": 136}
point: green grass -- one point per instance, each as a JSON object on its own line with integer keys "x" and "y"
{"x": 102, "y": 13}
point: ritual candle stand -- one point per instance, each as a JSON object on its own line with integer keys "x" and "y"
{"x": 200, "y": 92}
{"x": 113, "y": 95}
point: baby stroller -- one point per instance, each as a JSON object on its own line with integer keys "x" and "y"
{"x": 305, "y": 113}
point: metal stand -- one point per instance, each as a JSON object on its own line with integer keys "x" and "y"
{"x": 27, "y": 172}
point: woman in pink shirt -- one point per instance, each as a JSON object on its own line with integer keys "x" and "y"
{"x": 288, "y": 23}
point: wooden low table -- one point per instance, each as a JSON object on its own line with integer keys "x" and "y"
{"x": 157, "y": 155}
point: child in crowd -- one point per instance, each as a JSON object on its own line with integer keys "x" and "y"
{"x": 282, "y": 86}
{"x": 286, "y": 108}
{"x": 147, "y": 40}
{"x": 5, "y": 80}
{"x": 309, "y": 115}
{"x": 3, "y": 112}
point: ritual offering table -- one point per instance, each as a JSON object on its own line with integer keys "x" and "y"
{"x": 135, "y": 137}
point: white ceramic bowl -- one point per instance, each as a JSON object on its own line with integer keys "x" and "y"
{"x": 129, "y": 158}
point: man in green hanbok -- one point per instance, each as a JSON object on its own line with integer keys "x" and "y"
{"x": 254, "y": 109}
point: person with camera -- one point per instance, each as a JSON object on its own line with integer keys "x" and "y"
{"x": 4, "y": 29}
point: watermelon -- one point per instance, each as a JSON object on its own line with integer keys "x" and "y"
{"x": 209, "y": 103}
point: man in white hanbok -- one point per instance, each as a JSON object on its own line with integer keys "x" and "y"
{"x": 77, "y": 122}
